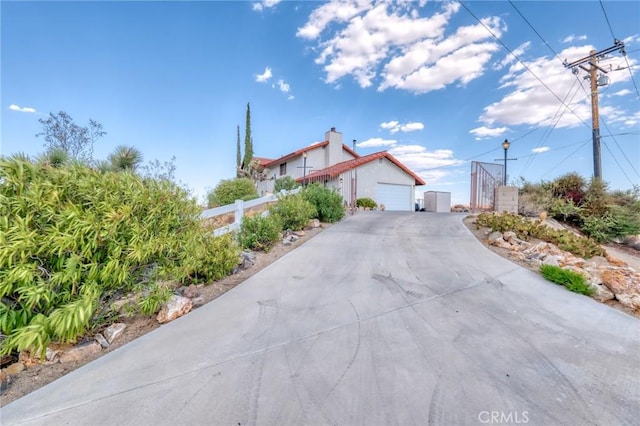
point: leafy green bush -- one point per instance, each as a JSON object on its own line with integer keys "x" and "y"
{"x": 573, "y": 281}
{"x": 230, "y": 190}
{"x": 293, "y": 212}
{"x": 259, "y": 233}
{"x": 524, "y": 229}
{"x": 73, "y": 240}
{"x": 366, "y": 203}
{"x": 328, "y": 202}
{"x": 286, "y": 183}
{"x": 617, "y": 223}
{"x": 569, "y": 187}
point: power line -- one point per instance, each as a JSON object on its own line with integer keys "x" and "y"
{"x": 616, "y": 160}
{"x": 623, "y": 51}
{"x": 565, "y": 158}
{"x": 521, "y": 62}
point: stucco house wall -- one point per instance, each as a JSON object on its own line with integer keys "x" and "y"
{"x": 381, "y": 171}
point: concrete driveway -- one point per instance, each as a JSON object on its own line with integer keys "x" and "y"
{"x": 383, "y": 319}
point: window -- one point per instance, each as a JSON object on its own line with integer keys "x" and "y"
{"x": 283, "y": 169}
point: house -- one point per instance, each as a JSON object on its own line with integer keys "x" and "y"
{"x": 379, "y": 176}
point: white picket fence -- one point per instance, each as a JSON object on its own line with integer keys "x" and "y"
{"x": 238, "y": 208}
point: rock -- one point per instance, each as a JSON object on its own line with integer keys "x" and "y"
{"x": 601, "y": 292}
{"x": 494, "y": 236}
{"x": 100, "y": 339}
{"x": 286, "y": 242}
{"x": 51, "y": 356}
{"x": 80, "y": 352}
{"x": 314, "y": 223}
{"x": 190, "y": 292}
{"x": 112, "y": 332}
{"x": 174, "y": 308}
{"x": 27, "y": 359}
{"x": 625, "y": 285}
{"x": 633, "y": 241}
{"x": 552, "y": 260}
{"x": 13, "y": 369}
{"x": 247, "y": 259}
{"x": 508, "y": 236}
{"x": 298, "y": 233}
{"x": 198, "y": 301}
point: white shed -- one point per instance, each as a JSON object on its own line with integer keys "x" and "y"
{"x": 436, "y": 201}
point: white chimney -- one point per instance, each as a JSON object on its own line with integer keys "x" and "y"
{"x": 334, "y": 149}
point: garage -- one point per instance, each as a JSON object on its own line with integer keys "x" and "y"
{"x": 394, "y": 197}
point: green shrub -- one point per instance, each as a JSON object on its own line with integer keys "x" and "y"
{"x": 617, "y": 223}
{"x": 328, "y": 202}
{"x": 73, "y": 240}
{"x": 286, "y": 183}
{"x": 259, "y": 233}
{"x": 569, "y": 187}
{"x": 524, "y": 229}
{"x": 293, "y": 212}
{"x": 230, "y": 190}
{"x": 573, "y": 281}
{"x": 366, "y": 203}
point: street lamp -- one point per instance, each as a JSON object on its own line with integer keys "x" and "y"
{"x": 505, "y": 146}
{"x": 304, "y": 169}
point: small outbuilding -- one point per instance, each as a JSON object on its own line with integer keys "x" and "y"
{"x": 436, "y": 201}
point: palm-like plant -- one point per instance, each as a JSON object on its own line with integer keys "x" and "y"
{"x": 55, "y": 157}
{"x": 125, "y": 158}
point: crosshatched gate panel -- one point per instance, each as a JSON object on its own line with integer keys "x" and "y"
{"x": 485, "y": 178}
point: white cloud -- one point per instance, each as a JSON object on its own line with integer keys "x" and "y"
{"x": 432, "y": 166}
{"x": 291, "y": 97}
{"x": 510, "y": 58}
{"x": 376, "y": 142}
{"x": 389, "y": 124}
{"x": 540, "y": 149}
{"x": 266, "y": 75}
{"x": 284, "y": 87}
{"x": 571, "y": 38}
{"x": 529, "y": 102}
{"x": 622, "y": 92}
{"x": 14, "y": 107}
{"x": 259, "y": 6}
{"x": 412, "y": 50}
{"x": 395, "y": 126}
{"x": 484, "y": 132}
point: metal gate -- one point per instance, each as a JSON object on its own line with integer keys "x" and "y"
{"x": 485, "y": 178}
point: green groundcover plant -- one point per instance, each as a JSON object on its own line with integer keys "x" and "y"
{"x": 573, "y": 281}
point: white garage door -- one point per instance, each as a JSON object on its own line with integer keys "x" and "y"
{"x": 394, "y": 197}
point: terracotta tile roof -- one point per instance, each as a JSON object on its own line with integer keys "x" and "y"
{"x": 337, "y": 169}
{"x": 299, "y": 152}
{"x": 263, "y": 161}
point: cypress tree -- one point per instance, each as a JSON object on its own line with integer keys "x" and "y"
{"x": 248, "y": 140}
{"x": 238, "y": 153}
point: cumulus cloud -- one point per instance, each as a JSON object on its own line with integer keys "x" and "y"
{"x": 396, "y": 126}
{"x": 529, "y": 102}
{"x": 259, "y": 6}
{"x": 510, "y": 58}
{"x": 571, "y": 38}
{"x": 429, "y": 165}
{"x": 265, "y": 76}
{"x": 376, "y": 142}
{"x": 284, "y": 87}
{"x": 391, "y": 42}
{"x": 622, "y": 92}
{"x": 14, "y": 107}
{"x": 540, "y": 150}
{"x": 484, "y": 132}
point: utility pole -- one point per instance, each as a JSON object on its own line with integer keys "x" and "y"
{"x": 595, "y": 81}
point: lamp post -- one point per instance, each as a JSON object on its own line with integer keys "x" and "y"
{"x": 505, "y": 146}
{"x": 304, "y": 169}
{"x": 355, "y": 186}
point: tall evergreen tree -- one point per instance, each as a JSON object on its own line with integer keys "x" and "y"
{"x": 248, "y": 140}
{"x": 238, "y": 153}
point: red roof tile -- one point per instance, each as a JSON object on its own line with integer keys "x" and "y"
{"x": 337, "y": 169}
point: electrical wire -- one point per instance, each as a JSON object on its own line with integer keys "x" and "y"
{"x": 565, "y": 159}
{"x": 606, "y": 17}
{"x": 616, "y": 160}
{"x": 521, "y": 62}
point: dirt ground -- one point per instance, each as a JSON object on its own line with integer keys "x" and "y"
{"x": 38, "y": 375}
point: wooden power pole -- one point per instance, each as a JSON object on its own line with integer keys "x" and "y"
{"x": 593, "y": 69}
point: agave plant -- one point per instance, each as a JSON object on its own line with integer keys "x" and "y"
{"x": 55, "y": 157}
{"x": 125, "y": 158}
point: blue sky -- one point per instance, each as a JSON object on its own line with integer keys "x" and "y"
{"x": 434, "y": 83}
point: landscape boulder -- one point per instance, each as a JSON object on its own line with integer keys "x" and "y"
{"x": 174, "y": 308}
{"x": 80, "y": 352}
{"x": 112, "y": 332}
